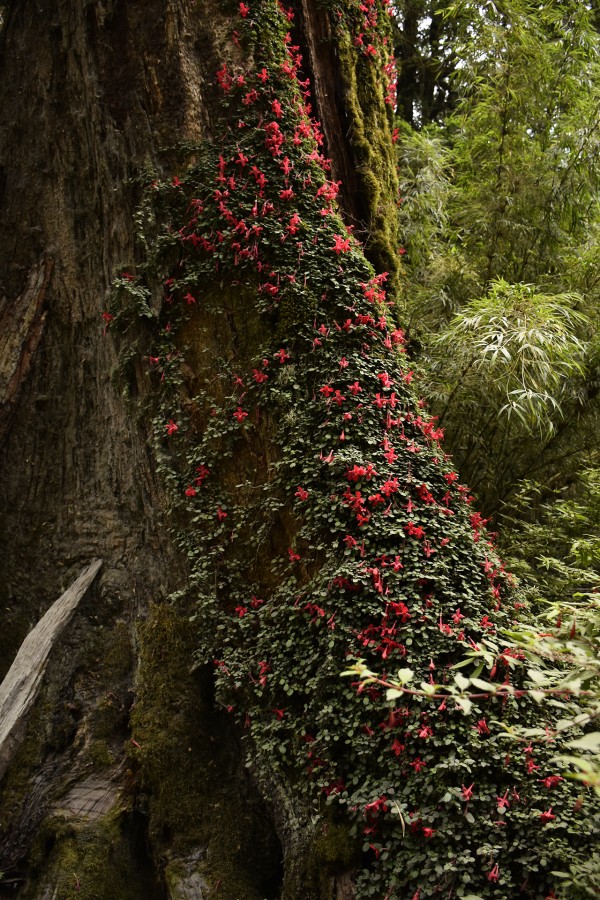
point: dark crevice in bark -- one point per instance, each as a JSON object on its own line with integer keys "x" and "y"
{"x": 330, "y": 108}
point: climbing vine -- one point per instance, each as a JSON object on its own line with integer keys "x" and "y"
{"x": 321, "y": 519}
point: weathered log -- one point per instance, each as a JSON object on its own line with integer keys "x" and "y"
{"x": 23, "y": 680}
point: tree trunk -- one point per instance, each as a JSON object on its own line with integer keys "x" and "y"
{"x": 90, "y": 93}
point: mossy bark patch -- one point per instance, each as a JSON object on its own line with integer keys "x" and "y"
{"x": 201, "y": 805}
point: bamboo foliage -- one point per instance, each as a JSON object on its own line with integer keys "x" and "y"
{"x": 500, "y": 221}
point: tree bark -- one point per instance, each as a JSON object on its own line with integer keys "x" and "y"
{"x": 89, "y": 93}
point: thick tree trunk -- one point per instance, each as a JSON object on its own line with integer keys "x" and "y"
{"x": 90, "y": 92}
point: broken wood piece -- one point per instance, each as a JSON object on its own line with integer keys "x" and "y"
{"x": 23, "y": 680}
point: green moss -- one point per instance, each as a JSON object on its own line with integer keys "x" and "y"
{"x": 329, "y": 852}
{"x": 186, "y": 766}
{"x": 107, "y": 718}
{"x": 87, "y": 862}
{"x": 335, "y": 849}
{"x": 100, "y": 755}
{"x": 293, "y": 310}
{"x": 117, "y": 652}
{"x": 17, "y": 782}
{"x": 371, "y": 139}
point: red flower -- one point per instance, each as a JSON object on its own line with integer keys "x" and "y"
{"x": 221, "y": 514}
{"x": 391, "y": 455}
{"x": 341, "y": 245}
{"x": 482, "y": 727}
{"x": 190, "y": 491}
{"x": 189, "y": 299}
{"x": 467, "y": 792}
{"x": 241, "y": 611}
{"x": 244, "y": 10}
{"x": 259, "y": 377}
{"x": 385, "y": 379}
{"x": 418, "y": 764}
{"x": 428, "y": 832}
{"x": 294, "y": 222}
{"x": 401, "y": 609}
{"x": 201, "y": 473}
{"x": 107, "y": 320}
{"x": 240, "y": 415}
{"x": 389, "y": 487}
{"x": 301, "y": 493}
{"x": 294, "y": 557}
{"x": 281, "y": 355}
{"x": 443, "y": 626}
{"x": 358, "y": 472}
{"x": 279, "y": 713}
{"x": 379, "y": 805}
{"x": 354, "y": 388}
{"x": 551, "y": 781}
{"x": 494, "y": 874}
{"x": 503, "y": 802}
{"x": 326, "y": 390}
{"x": 171, "y": 427}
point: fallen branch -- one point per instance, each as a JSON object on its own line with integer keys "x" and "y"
{"x": 23, "y": 680}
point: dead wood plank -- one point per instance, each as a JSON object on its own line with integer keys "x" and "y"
{"x": 23, "y": 680}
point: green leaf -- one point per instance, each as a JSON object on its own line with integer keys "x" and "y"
{"x": 462, "y": 682}
{"x": 393, "y": 694}
{"x": 405, "y": 675}
{"x": 589, "y": 741}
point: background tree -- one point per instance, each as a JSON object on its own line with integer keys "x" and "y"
{"x": 500, "y": 220}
